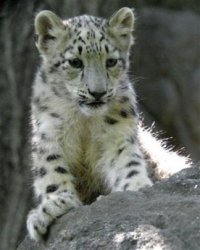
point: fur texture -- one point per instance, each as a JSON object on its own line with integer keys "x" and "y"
{"x": 84, "y": 115}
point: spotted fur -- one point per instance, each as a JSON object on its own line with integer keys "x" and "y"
{"x": 84, "y": 115}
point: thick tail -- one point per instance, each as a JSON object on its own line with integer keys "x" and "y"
{"x": 162, "y": 160}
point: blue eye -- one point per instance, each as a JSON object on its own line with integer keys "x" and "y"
{"x": 111, "y": 62}
{"x": 76, "y": 63}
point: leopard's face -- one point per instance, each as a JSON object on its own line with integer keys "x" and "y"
{"x": 94, "y": 69}
{"x": 88, "y": 59}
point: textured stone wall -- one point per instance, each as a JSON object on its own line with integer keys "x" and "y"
{"x": 167, "y": 65}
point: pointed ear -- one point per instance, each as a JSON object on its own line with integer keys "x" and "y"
{"x": 49, "y": 28}
{"x": 121, "y": 27}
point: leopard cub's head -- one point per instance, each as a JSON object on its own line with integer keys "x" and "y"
{"x": 86, "y": 57}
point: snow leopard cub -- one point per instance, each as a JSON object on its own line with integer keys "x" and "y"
{"x": 84, "y": 115}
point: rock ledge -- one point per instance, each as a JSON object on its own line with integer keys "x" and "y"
{"x": 165, "y": 217}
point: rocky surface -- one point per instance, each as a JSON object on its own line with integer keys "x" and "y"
{"x": 165, "y": 217}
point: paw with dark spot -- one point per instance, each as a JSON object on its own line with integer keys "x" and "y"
{"x": 51, "y": 208}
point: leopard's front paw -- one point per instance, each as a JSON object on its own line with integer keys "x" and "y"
{"x": 36, "y": 225}
{"x": 53, "y": 206}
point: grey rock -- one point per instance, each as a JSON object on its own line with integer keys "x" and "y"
{"x": 167, "y": 66}
{"x": 165, "y": 217}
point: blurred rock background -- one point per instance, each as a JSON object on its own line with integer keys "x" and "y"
{"x": 165, "y": 66}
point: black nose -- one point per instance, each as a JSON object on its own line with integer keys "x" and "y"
{"x": 97, "y": 95}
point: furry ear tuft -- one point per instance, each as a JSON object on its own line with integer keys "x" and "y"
{"x": 48, "y": 26}
{"x": 121, "y": 27}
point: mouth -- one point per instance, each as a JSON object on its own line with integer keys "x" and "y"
{"x": 94, "y": 104}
